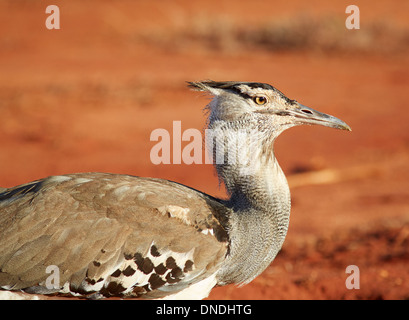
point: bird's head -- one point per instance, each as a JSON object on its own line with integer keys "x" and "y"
{"x": 261, "y": 104}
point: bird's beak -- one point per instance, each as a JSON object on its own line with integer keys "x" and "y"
{"x": 307, "y": 115}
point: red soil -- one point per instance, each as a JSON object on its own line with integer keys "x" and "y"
{"x": 86, "y": 98}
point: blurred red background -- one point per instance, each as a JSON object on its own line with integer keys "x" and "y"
{"x": 86, "y": 98}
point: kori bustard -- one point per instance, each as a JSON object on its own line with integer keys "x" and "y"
{"x": 98, "y": 235}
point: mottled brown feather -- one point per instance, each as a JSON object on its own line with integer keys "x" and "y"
{"x": 86, "y": 224}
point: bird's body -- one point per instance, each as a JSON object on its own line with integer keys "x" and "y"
{"x": 117, "y": 235}
{"x": 108, "y": 232}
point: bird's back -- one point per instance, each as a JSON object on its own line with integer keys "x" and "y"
{"x": 109, "y": 235}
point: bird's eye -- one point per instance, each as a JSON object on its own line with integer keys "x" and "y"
{"x": 260, "y": 100}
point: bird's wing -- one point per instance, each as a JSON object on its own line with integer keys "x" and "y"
{"x": 103, "y": 235}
